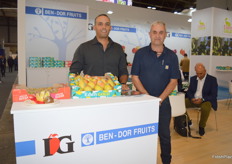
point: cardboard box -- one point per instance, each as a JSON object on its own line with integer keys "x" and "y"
{"x": 77, "y": 92}
{"x": 21, "y": 93}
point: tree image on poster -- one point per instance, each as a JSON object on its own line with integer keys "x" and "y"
{"x": 222, "y": 46}
{"x": 60, "y": 35}
{"x": 139, "y": 39}
{"x": 201, "y": 45}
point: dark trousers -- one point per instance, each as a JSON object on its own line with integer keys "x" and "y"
{"x": 164, "y": 131}
{"x": 10, "y": 68}
{"x": 3, "y": 71}
{"x": 186, "y": 76}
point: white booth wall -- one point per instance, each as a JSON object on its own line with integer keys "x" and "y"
{"x": 124, "y": 16}
{"x": 211, "y": 22}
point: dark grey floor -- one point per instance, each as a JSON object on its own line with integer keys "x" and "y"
{"x": 5, "y": 88}
{"x": 7, "y": 145}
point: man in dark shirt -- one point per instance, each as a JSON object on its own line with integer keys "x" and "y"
{"x": 101, "y": 54}
{"x": 155, "y": 72}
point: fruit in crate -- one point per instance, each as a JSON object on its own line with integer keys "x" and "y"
{"x": 82, "y": 83}
{"x": 91, "y": 84}
{"x": 94, "y": 83}
{"x": 87, "y": 88}
{"x": 101, "y": 83}
{"x": 110, "y": 81}
{"x": 98, "y": 88}
{"x": 108, "y": 87}
{"x": 42, "y": 97}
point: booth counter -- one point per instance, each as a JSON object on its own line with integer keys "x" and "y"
{"x": 116, "y": 130}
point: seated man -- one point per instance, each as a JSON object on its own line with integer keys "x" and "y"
{"x": 202, "y": 92}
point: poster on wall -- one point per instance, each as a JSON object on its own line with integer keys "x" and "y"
{"x": 222, "y": 46}
{"x": 201, "y": 45}
{"x": 54, "y": 29}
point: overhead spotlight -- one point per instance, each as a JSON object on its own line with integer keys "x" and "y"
{"x": 149, "y": 7}
{"x": 153, "y": 8}
{"x": 110, "y": 12}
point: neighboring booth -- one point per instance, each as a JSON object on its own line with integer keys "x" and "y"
{"x": 212, "y": 43}
{"x": 116, "y": 130}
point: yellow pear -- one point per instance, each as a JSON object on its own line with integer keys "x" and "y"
{"x": 104, "y": 81}
{"x": 108, "y": 87}
{"x": 82, "y": 83}
{"x": 94, "y": 80}
{"x": 98, "y": 88}
{"x": 91, "y": 84}
{"x": 110, "y": 81}
{"x": 100, "y": 83}
{"x": 87, "y": 88}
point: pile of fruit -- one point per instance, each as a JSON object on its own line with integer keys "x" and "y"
{"x": 93, "y": 83}
{"x": 42, "y": 97}
{"x": 37, "y": 90}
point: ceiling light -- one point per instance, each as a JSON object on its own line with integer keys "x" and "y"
{"x": 191, "y": 8}
{"x": 149, "y": 7}
{"x": 110, "y": 12}
{"x": 175, "y": 12}
{"x": 153, "y": 8}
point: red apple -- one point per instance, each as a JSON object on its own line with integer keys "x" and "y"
{"x": 54, "y": 143}
{"x": 134, "y": 50}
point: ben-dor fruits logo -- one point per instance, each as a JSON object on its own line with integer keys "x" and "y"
{"x": 52, "y": 145}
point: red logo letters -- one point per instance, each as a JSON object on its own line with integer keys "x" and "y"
{"x": 52, "y": 145}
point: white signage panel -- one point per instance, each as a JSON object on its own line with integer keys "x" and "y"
{"x": 105, "y": 130}
{"x": 54, "y": 29}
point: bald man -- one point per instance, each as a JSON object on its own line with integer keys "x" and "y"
{"x": 202, "y": 92}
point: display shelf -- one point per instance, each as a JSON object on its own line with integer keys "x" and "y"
{"x": 224, "y": 70}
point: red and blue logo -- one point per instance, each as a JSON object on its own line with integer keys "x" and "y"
{"x": 53, "y": 142}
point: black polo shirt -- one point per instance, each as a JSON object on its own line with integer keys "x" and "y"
{"x": 94, "y": 61}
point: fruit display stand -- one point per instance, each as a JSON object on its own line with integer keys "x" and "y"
{"x": 122, "y": 129}
{"x": 21, "y": 93}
